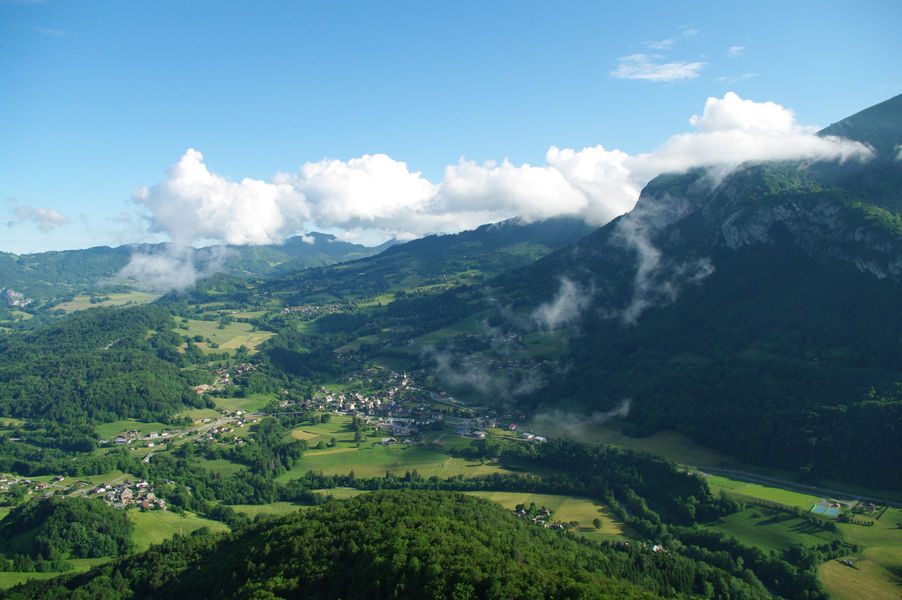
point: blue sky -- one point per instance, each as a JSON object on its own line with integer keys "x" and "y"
{"x": 100, "y": 98}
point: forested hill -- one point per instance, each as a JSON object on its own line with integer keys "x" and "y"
{"x": 48, "y": 275}
{"x": 762, "y": 314}
{"x": 436, "y": 260}
{"x": 397, "y": 545}
{"x": 102, "y": 364}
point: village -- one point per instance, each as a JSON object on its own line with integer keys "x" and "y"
{"x": 118, "y": 493}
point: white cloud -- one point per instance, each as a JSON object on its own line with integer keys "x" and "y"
{"x": 667, "y": 43}
{"x": 653, "y": 68}
{"x": 564, "y": 308}
{"x": 377, "y": 197}
{"x": 734, "y": 51}
{"x": 736, "y": 78}
{"x": 161, "y": 272}
{"x": 45, "y": 218}
{"x": 193, "y": 204}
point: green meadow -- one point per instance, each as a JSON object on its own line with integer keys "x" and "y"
{"x": 742, "y": 489}
{"x": 878, "y": 567}
{"x": 9, "y": 579}
{"x": 771, "y": 529}
{"x": 229, "y": 337}
{"x": 155, "y": 526}
{"x": 108, "y": 431}
{"x": 251, "y": 403}
{"x": 372, "y": 459}
{"x": 565, "y": 509}
{"x": 276, "y": 509}
{"x": 83, "y": 302}
{"x": 219, "y": 466}
{"x": 666, "y": 443}
{"x": 877, "y": 572}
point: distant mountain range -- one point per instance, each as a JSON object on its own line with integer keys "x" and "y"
{"x": 49, "y": 275}
{"x": 436, "y": 260}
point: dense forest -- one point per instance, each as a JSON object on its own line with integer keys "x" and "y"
{"x": 100, "y": 364}
{"x": 397, "y": 544}
{"x": 55, "y": 529}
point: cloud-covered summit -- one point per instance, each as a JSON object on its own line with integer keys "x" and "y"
{"x": 377, "y": 196}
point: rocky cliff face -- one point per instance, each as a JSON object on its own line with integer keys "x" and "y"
{"x": 13, "y": 299}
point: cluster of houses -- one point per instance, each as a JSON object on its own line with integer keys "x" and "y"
{"x": 315, "y": 310}
{"x": 122, "y": 495}
{"x": 150, "y": 440}
{"x": 7, "y": 483}
{"x": 398, "y": 408}
{"x": 223, "y": 377}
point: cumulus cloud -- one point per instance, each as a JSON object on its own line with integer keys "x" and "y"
{"x": 653, "y": 68}
{"x": 46, "y": 219}
{"x": 193, "y": 204}
{"x": 378, "y": 196}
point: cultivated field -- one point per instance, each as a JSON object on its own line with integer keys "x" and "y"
{"x": 275, "y": 509}
{"x": 564, "y": 509}
{"x": 229, "y": 338}
{"x": 373, "y": 459}
{"x": 122, "y": 299}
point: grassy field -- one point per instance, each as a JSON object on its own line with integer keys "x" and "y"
{"x": 878, "y": 567}
{"x": 472, "y": 324}
{"x": 274, "y": 509}
{"x": 565, "y": 509}
{"x": 341, "y": 493}
{"x": 668, "y": 444}
{"x": 9, "y": 579}
{"x": 108, "y": 431}
{"x": 339, "y": 427}
{"x": 753, "y": 490}
{"x": 83, "y": 302}
{"x": 200, "y": 413}
{"x": 252, "y": 403}
{"x": 155, "y": 526}
{"x": 373, "y": 459}
{"x": 771, "y": 529}
{"x": 229, "y": 338}
{"x": 220, "y": 465}
{"x": 4, "y": 510}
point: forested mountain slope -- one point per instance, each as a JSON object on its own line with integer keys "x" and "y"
{"x": 101, "y": 364}
{"x": 436, "y": 260}
{"x": 397, "y": 545}
{"x": 48, "y": 275}
{"x": 761, "y": 314}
